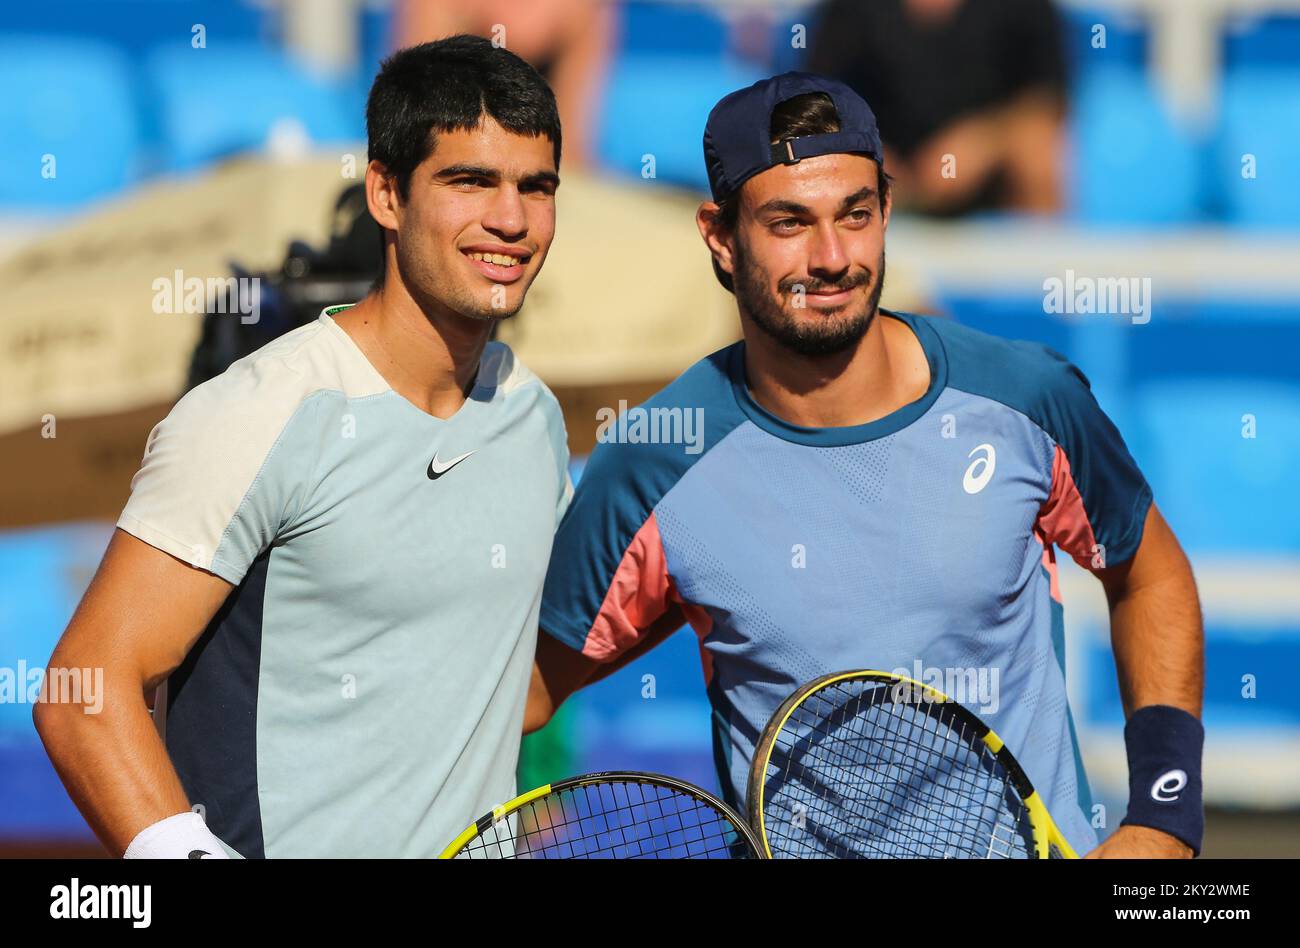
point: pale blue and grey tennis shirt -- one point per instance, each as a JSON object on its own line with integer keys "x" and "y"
{"x": 361, "y": 692}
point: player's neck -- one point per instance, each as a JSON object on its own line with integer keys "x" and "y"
{"x": 886, "y": 370}
{"x": 429, "y": 357}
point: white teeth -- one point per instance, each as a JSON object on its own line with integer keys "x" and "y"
{"x": 500, "y": 259}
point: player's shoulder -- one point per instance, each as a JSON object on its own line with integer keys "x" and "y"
{"x": 650, "y": 446}
{"x": 706, "y": 384}
{"x": 685, "y": 418}
{"x": 259, "y": 397}
{"x": 268, "y": 373}
{"x": 503, "y": 372}
{"x": 1022, "y": 374}
{"x": 505, "y": 380}
{"x": 218, "y": 441}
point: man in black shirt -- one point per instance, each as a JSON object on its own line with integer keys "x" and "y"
{"x": 969, "y": 95}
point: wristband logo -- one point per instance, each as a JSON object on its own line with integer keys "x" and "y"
{"x": 1169, "y": 786}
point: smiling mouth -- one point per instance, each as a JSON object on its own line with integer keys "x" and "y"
{"x": 498, "y": 259}
{"x": 830, "y": 296}
{"x": 498, "y": 268}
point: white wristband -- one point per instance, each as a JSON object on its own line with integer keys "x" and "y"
{"x": 183, "y": 836}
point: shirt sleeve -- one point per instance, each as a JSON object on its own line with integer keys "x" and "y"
{"x": 566, "y": 497}
{"x": 608, "y": 579}
{"x": 205, "y": 492}
{"x": 560, "y": 447}
{"x": 1098, "y": 499}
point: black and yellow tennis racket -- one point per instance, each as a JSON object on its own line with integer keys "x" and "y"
{"x": 617, "y": 815}
{"x": 866, "y": 764}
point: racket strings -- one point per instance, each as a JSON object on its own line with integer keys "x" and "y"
{"x": 855, "y": 772}
{"x": 615, "y": 819}
{"x": 919, "y": 803}
{"x": 923, "y": 812}
{"x": 910, "y": 796}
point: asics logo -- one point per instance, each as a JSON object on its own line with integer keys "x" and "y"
{"x": 1168, "y": 786}
{"x": 438, "y": 468}
{"x": 981, "y": 469}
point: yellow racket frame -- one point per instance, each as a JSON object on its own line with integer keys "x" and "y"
{"x": 501, "y": 811}
{"x": 1047, "y": 836}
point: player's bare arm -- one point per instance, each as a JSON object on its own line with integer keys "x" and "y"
{"x": 1157, "y": 635}
{"x": 559, "y": 671}
{"x": 140, "y": 616}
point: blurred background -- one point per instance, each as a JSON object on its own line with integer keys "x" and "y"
{"x": 173, "y": 140}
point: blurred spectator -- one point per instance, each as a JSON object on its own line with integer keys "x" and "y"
{"x": 980, "y": 80}
{"x": 568, "y": 41}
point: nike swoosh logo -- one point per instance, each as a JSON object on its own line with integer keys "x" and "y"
{"x": 199, "y": 853}
{"x": 438, "y": 468}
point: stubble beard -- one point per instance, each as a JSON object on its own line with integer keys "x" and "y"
{"x": 825, "y": 335}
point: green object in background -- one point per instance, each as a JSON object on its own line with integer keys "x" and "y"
{"x": 547, "y": 755}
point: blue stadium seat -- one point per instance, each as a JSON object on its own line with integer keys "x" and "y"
{"x": 1217, "y": 335}
{"x": 1270, "y": 40}
{"x": 657, "y": 104}
{"x": 224, "y": 99}
{"x": 1132, "y": 163}
{"x": 1127, "y": 38}
{"x": 376, "y": 31}
{"x": 1260, "y": 117}
{"x": 671, "y": 28}
{"x": 43, "y": 572}
{"x": 1008, "y": 315}
{"x": 70, "y": 99}
{"x": 1221, "y": 492}
{"x": 135, "y": 26}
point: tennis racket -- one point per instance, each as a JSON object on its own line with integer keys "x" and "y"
{"x": 866, "y": 764}
{"x": 619, "y": 815}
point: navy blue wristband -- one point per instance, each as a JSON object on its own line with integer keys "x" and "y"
{"x": 1164, "y": 773}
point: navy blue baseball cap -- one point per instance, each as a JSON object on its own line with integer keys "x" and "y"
{"x": 738, "y": 140}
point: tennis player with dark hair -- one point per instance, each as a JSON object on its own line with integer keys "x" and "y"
{"x": 334, "y": 551}
{"x": 875, "y": 489}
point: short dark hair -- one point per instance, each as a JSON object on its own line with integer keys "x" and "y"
{"x": 447, "y": 86}
{"x": 812, "y": 113}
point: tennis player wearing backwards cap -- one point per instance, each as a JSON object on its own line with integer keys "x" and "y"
{"x": 875, "y": 490}
{"x": 336, "y": 548}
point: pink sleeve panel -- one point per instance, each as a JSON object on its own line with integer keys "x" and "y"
{"x": 639, "y": 594}
{"x": 1062, "y": 520}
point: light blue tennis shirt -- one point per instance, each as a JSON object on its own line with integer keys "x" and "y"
{"x": 361, "y": 692}
{"x": 922, "y": 543}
